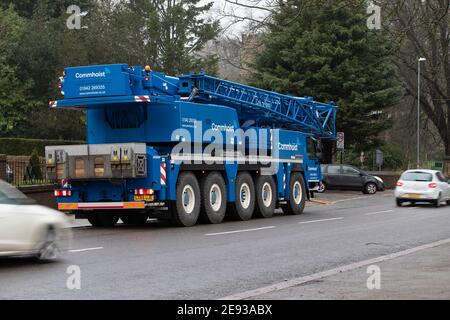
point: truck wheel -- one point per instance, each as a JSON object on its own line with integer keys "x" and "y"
{"x": 297, "y": 195}
{"x": 242, "y": 208}
{"x": 214, "y": 198}
{"x": 134, "y": 218}
{"x": 186, "y": 209}
{"x": 265, "y": 196}
{"x": 103, "y": 219}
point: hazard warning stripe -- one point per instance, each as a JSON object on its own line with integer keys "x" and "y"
{"x": 142, "y": 98}
{"x": 101, "y": 205}
{"x": 163, "y": 174}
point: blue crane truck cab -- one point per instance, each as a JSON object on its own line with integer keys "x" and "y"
{"x": 186, "y": 148}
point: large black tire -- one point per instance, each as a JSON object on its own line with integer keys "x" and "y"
{"x": 134, "y": 218}
{"x": 214, "y": 198}
{"x": 297, "y": 195}
{"x": 244, "y": 205}
{"x": 104, "y": 219}
{"x": 186, "y": 209}
{"x": 370, "y": 188}
{"x": 266, "y": 196}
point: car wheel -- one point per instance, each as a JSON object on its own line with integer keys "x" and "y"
{"x": 322, "y": 187}
{"x": 370, "y": 188}
{"x": 437, "y": 202}
{"x": 49, "y": 249}
{"x": 214, "y": 198}
{"x": 399, "y": 202}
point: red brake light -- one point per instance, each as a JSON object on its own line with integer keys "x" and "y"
{"x": 62, "y": 193}
{"x": 399, "y": 183}
{"x": 142, "y": 192}
{"x": 432, "y": 185}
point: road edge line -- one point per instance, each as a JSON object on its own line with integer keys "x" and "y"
{"x": 316, "y": 276}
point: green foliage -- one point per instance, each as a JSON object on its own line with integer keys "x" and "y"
{"x": 324, "y": 49}
{"x": 22, "y": 147}
{"x": 33, "y": 170}
{"x": 393, "y": 158}
{"x": 36, "y": 45}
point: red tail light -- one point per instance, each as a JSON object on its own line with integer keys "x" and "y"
{"x": 432, "y": 185}
{"x": 399, "y": 183}
{"x": 142, "y": 192}
{"x": 63, "y": 193}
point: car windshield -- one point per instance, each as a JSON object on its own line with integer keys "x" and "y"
{"x": 9, "y": 194}
{"x": 417, "y": 176}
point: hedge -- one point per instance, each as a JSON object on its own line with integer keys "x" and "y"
{"x": 24, "y": 147}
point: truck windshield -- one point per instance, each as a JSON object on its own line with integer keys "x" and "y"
{"x": 416, "y": 176}
{"x": 312, "y": 148}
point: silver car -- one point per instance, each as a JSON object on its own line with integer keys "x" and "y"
{"x": 28, "y": 229}
{"x": 421, "y": 185}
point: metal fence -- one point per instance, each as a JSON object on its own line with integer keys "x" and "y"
{"x": 20, "y": 172}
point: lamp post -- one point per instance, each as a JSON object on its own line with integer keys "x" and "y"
{"x": 418, "y": 110}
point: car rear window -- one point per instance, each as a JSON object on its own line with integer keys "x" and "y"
{"x": 416, "y": 176}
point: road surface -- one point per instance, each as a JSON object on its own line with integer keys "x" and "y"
{"x": 157, "y": 261}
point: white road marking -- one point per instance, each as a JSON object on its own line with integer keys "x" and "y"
{"x": 372, "y": 213}
{"x": 86, "y": 249}
{"x": 349, "y": 199}
{"x": 239, "y": 231}
{"x": 322, "y": 220}
{"x": 323, "y": 274}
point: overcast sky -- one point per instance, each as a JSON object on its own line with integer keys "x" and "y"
{"x": 222, "y": 9}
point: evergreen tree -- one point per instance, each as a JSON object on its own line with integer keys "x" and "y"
{"x": 325, "y": 50}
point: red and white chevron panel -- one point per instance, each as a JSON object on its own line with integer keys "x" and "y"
{"x": 163, "y": 174}
{"x": 53, "y": 104}
{"x": 142, "y": 98}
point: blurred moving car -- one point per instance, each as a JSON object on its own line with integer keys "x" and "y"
{"x": 347, "y": 177}
{"x": 28, "y": 229}
{"x": 422, "y": 186}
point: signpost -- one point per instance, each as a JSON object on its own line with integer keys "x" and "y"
{"x": 379, "y": 158}
{"x": 340, "y": 143}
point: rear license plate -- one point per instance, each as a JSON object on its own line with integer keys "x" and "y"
{"x": 144, "y": 198}
{"x": 413, "y": 195}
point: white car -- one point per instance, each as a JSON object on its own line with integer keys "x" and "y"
{"x": 27, "y": 229}
{"x": 422, "y": 186}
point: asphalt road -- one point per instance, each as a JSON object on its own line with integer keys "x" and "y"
{"x": 156, "y": 261}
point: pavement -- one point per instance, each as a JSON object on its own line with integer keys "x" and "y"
{"x": 157, "y": 261}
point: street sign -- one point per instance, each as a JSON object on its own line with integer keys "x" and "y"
{"x": 379, "y": 157}
{"x": 340, "y": 143}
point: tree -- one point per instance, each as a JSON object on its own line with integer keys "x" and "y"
{"x": 13, "y": 92}
{"x": 324, "y": 49}
{"x": 168, "y": 34}
{"x": 421, "y": 29}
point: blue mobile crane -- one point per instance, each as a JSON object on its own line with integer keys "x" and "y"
{"x": 185, "y": 148}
